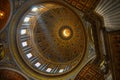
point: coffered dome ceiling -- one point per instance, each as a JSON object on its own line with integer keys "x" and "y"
{"x": 51, "y": 38}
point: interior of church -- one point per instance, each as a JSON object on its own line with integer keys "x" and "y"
{"x": 59, "y": 39}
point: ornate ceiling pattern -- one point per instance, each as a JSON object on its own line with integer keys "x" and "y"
{"x": 55, "y": 39}
{"x": 51, "y": 41}
{"x": 84, "y": 5}
{"x": 90, "y": 72}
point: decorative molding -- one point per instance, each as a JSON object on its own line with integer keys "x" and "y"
{"x": 83, "y": 5}
{"x": 90, "y": 72}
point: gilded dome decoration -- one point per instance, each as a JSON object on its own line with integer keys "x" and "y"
{"x": 51, "y": 38}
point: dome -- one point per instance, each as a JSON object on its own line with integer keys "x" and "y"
{"x": 51, "y": 38}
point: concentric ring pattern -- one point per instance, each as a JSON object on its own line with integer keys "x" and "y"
{"x": 51, "y": 38}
